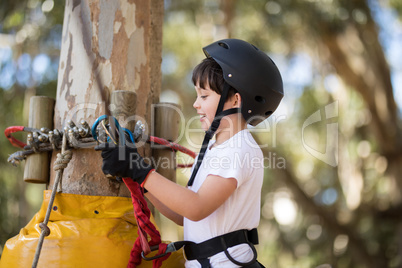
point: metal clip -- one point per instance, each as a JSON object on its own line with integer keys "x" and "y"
{"x": 44, "y": 130}
{"x": 153, "y": 248}
{"x": 72, "y": 138}
{"x": 170, "y": 248}
{"x": 138, "y": 130}
{"x": 55, "y": 139}
{"x": 43, "y": 138}
{"x": 70, "y": 124}
{"x": 84, "y": 129}
{"x": 32, "y": 140}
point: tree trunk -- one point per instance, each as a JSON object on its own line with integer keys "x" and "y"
{"x": 358, "y": 58}
{"x": 228, "y": 8}
{"x": 106, "y": 46}
{"x": 353, "y": 49}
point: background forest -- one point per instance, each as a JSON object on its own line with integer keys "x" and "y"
{"x": 332, "y": 194}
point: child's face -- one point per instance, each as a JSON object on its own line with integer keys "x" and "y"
{"x": 206, "y": 104}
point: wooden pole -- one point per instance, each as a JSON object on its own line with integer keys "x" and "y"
{"x": 166, "y": 120}
{"x": 40, "y": 115}
{"x": 166, "y": 125}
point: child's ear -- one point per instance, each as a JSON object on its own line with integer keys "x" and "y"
{"x": 237, "y": 100}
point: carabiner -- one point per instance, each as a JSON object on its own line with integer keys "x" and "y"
{"x": 153, "y": 248}
{"x": 112, "y": 136}
{"x": 170, "y": 248}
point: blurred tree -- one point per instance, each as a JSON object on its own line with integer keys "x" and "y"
{"x": 344, "y": 39}
{"x": 343, "y": 204}
{"x": 30, "y": 34}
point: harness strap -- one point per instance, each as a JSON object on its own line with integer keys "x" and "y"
{"x": 212, "y": 129}
{"x": 202, "y": 251}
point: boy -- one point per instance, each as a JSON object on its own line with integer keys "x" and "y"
{"x": 236, "y": 85}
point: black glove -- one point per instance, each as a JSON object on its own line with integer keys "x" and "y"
{"x": 123, "y": 161}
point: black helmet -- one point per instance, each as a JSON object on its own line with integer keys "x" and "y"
{"x": 252, "y": 73}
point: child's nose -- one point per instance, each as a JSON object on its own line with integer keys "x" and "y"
{"x": 195, "y": 104}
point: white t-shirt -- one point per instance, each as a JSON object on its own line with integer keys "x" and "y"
{"x": 241, "y": 158}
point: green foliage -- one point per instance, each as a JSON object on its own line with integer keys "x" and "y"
{"x": 284, "y": 29}
{"x": 397, "y": 5}
{"x": 10, "y": 177}
{"x": 28, "y": 35}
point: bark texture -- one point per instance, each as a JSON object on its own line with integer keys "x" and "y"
{"x": 106, "y": 46}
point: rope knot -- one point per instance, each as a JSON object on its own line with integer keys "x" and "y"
{"x": 62, "y": 160}
{"x": 44, "y": 228}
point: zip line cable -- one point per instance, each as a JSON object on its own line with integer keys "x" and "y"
{"x": 51, "y": 142}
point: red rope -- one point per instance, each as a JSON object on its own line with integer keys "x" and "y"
{"x": 145, "y": 228}
{"x": 162, "y": 249}
{"x": 173, "y": 146}
{"x": 13, "y": 140}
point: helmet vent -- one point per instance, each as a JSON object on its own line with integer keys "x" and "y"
{"x": 259, "y": 99}
{"x": 268, "y": 113}
{"x": 224, "y": 45}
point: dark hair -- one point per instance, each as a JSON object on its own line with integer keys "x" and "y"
{"x": 209, "y": 73}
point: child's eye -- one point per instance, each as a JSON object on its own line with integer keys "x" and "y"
{"x": 204, "y": 96}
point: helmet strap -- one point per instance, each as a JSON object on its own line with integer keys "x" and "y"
{"x": 212, "y": 129}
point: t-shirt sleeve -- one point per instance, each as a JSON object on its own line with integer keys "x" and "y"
{"x": 230, "y": 165}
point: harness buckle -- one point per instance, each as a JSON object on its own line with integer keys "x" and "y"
{"x": 170, "y": 248}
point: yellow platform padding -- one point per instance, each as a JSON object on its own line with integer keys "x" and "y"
{"x": 86, "y": 231}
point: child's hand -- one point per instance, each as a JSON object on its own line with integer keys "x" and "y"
{"x": 123, "y": 161}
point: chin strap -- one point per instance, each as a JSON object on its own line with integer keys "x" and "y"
{"x": 212, "y": 129}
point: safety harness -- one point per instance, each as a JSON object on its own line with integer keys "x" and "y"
{"x": 202, "y": 251}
